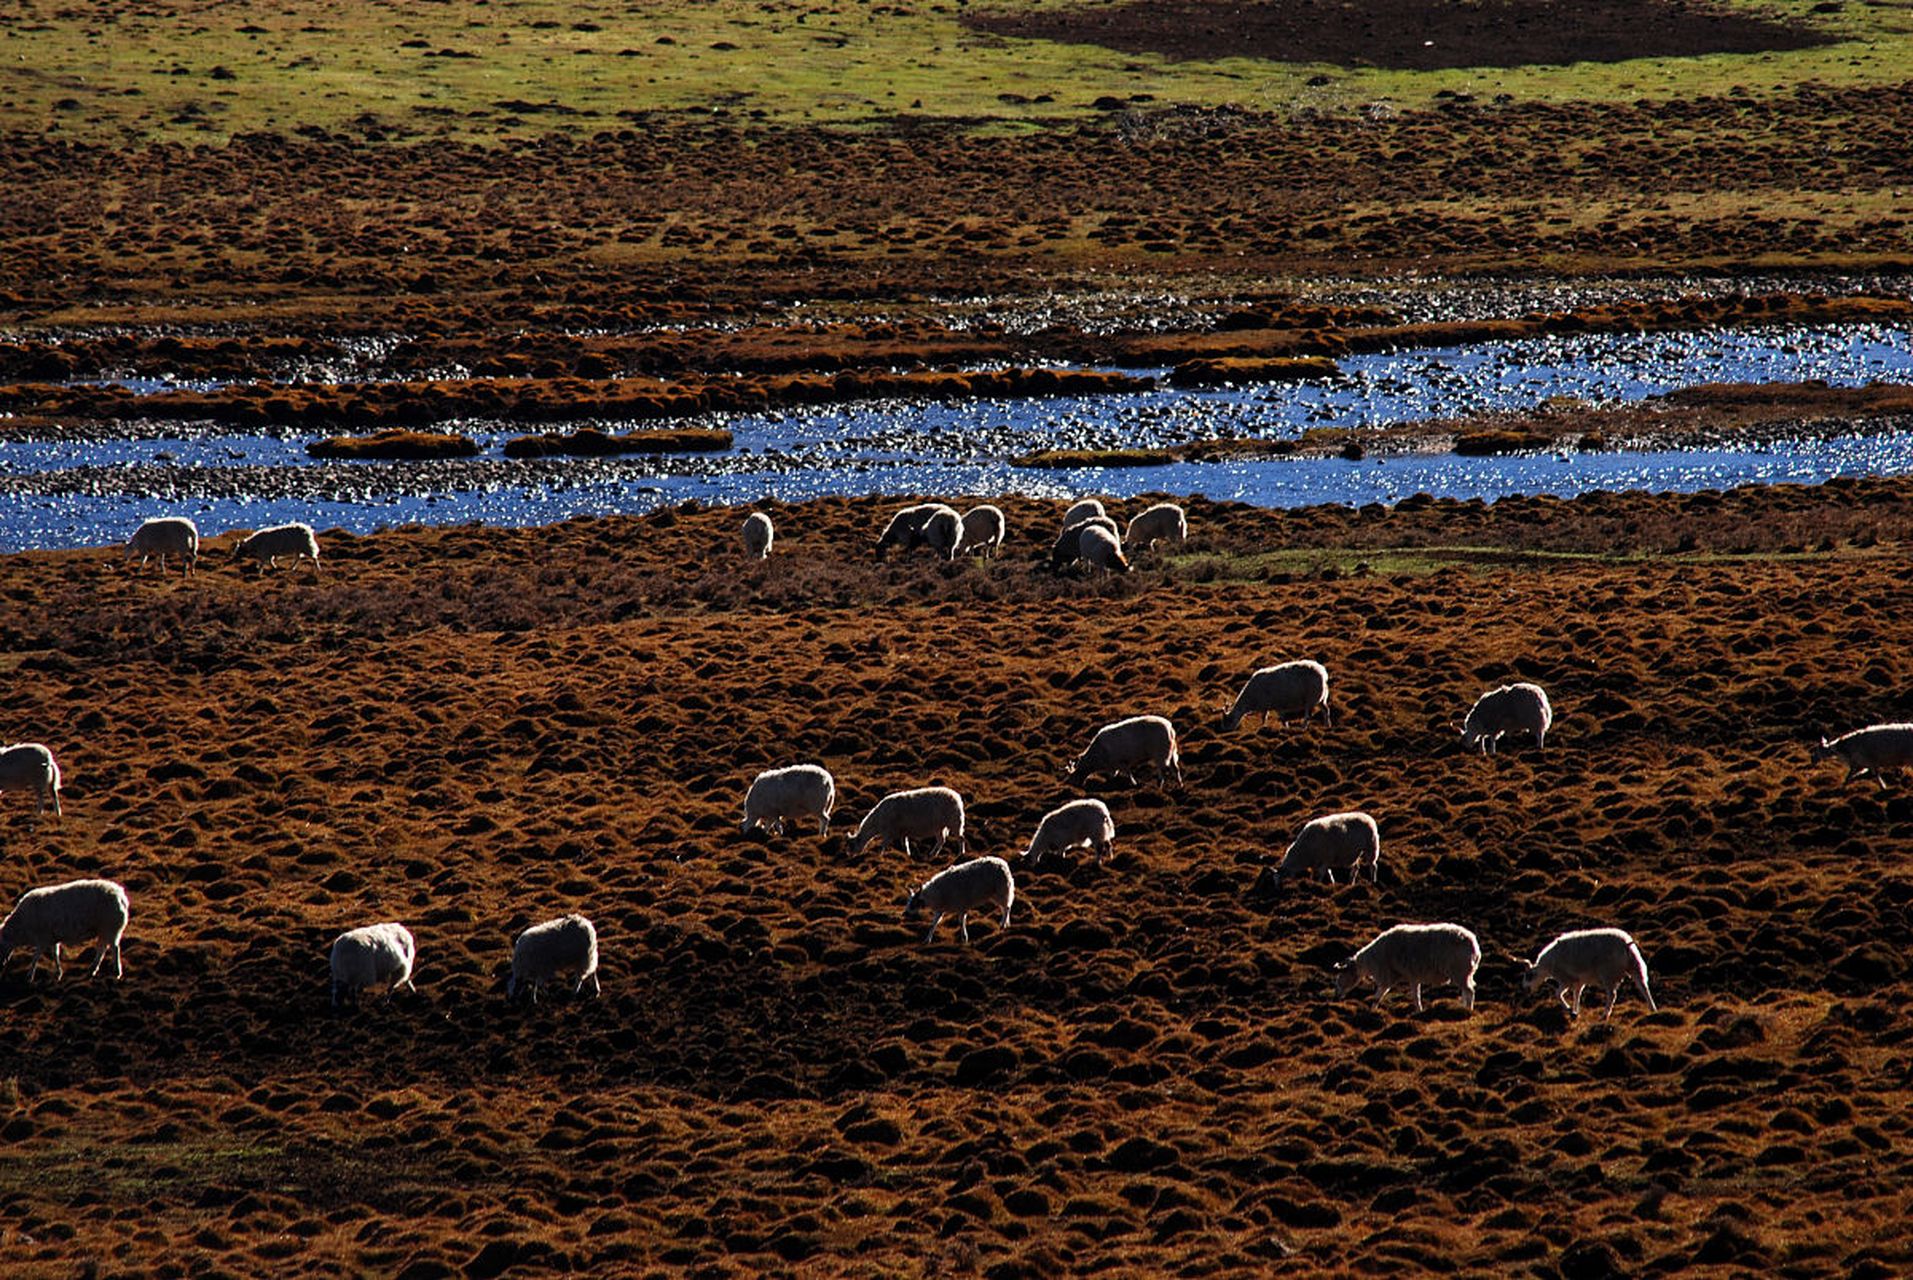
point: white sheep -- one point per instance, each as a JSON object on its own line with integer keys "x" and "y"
{"x": 267, "y": 545}
{"x": 906, "y": 529}
{"x": 1128, "y": 745}
{"x": 1083, "y": 509}
{"x": 758, "y": 536}
{"x": 1583, "y": 958}
{"x": 375, "y": 955}
{"x": 30, "y": 766}
{"x": 942, "y": 532}
{"x": 73, "y": 913}
{"x": 1068, "y": 547}
{"x": 165, "y": 536}
{"x": 1414, "y": 956}
{"x": 1338, "y": 842}
{"x": 1288, "y": 690}
{"x": 568, "y": 944}
{"x": 1099, "y": 549}
{"x": 984, "y": 529}
{"x": 961, "y": 889}
{"x": 1513, "y": 708}
{"x": 1080, "y": 822}
{"x": 778, "y": 796}
{"x": 1164, "y": 520}
{"x": 926, "y": 813}
{"x": 1873, "y": 750}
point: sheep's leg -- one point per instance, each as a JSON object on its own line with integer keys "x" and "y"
{"x": 1328, "y": 717}
{"x": 1468, "y": 995}
{"x": 934, "y": 922}
{"x": 1006, "y": 916}
{"x": 1853, "y": 771}
{"x": 963, "y": 845}
{"x": 1419, "y": 1007}
{"x": 823, "y": 824}
{"x": 906, "y": 848}
{"x": 1104, "y": 851}
{"x": 407, "y": 984}
{"x": 98, "y": 959}
{"x": 1880, "y": 777}
{"x": 1381, "y": 992}
{"x": 943, "y": 838}
{"x": 1579, "y": 987}
{"x": 1612, "y": 996}
{"x": 1177, "y": 766}
{"x": 596, "y": 990}
{"x": 34, "y": 971}
{"x": 59, "y": 969}
{"x": 963, "y": 926}
{"x": 1562, "y": 996}
{"x": 1265, "y": 719}
{"x": 1540, "y": 738}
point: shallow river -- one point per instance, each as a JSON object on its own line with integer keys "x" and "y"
{"x": 92, "y": 492}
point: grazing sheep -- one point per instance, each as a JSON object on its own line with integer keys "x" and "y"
{"x": 1100, "y": 550}
{"x": 961, "y": 889}
{"x": 1873, "y": 750}
{"x": 1080, "y": 822}
{"x": 1513, "y": 708}
{"x": 778, "y": 796}
{"x": 1164, "y": 520}
{"x": 984, "y": 529}
{"x": 165, "y": 536}
{"x": 73, "y": 913}
{"x": 1584, "y": 958}
{"x": 1414, "y": 956}
{"x": 1068, "y": 548}
{"x": 927, "y": 813}
{"x": 568, "y": 944}
{"x": 1289, "y": 690}
{"x": 1338, "y": 842}
{"x": 758, "y": 536}
{"x": 267, "y": 545}
{"x": 906, "y": 527}
{"x": 1127, "y": 745}
{"x": 376, "y": 955}
{"x": 942, "y": 532}
{"x": 30, "y": 766}
{"x": 1083, "y": 509}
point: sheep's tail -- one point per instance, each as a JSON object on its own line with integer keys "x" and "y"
{"x": 53, "y": 768}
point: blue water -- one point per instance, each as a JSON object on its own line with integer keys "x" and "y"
{"x": 954, "y": 449}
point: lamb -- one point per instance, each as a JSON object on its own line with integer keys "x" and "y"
{"x": 758, "y": 536}
{"x": 165, "y": 536}
{"x": 1125, "y": 746}
{"x": 30, "y": 766}
{"x": 1584, "y": 958}
{"x": 1338, "y": 842}
{"x": 1289, "y": 689}
{"x": 1513, "y": 708}
{"x": 907, "y": 528}
{"x": 1164, "y": 520}
{"x": 1080, "y": 822}
{"x": 778, "y": 796}
{"x": 267, "y": 545}
{"x": 925, "y": 813}
{"x": 568, "y": 944}
{"x": 961, "y": 889}
{"x": 1414, "y": 956}
{"x": 73, "y": 913}
{"x": 1068, "y": 548}
{"x": 1099, "y": 548}
{"x": 376, "y": 955}
{"x": 983, "y": 530}
{"x": 1083, "y": 509}
{"x": 1873, "y": 750}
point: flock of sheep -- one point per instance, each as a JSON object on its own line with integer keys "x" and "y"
{"x": 1408, "y": 957}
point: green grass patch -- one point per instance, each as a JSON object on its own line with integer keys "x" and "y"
{"x": 475, "y": 70}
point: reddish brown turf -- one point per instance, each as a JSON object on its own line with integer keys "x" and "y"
{"x": 472, "y": 729}
{"x": 1416, "y": 35}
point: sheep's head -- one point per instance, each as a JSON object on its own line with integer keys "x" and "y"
{"x": 1818, "y": 751}
{"x": 913, "y": 903}
{"x": 1268, "y": 882}
{"x": 1533, "y": 977}
{"x": 1231, "y": 719}
{"x": 1347, "y": 976}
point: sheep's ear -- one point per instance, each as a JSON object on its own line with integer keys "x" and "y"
{"x": 1339, "y": 965}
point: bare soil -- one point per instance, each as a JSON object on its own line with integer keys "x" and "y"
{"x": 471, "y": 729}
{"x": 1410, "y": 35}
